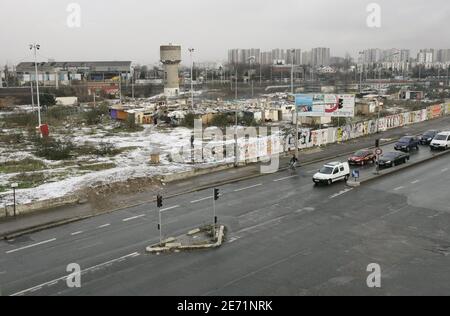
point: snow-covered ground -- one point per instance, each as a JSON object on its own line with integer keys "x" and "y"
{"x": 130, "y": 164}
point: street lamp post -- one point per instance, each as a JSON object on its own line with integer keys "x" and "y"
{"x": 14, "y": 186}
{"x": 35, "y": 48}
{"x": 132, "y": 83}
{"x": 191, "y": 52}
{"x": 236, "y": 120}
{"x": 252, "y": 59}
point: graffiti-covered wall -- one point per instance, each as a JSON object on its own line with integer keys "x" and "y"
{"x": 310, "y": 138}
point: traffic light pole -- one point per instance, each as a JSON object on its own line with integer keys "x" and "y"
{"x": 214, "y": 219}
{"x": 160, "y": 227}
{"x": 159, "y": 204}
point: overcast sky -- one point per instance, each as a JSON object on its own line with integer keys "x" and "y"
{"x": 134, "y": 29}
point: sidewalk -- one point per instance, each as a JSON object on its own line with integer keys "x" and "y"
{"x": 66, "y": 214}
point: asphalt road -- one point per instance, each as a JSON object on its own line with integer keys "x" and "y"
{"x": 285, "y": 237}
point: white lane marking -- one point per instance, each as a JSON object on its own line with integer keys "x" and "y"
{"x": 200, "y": 200}
{"x": 90, "y": 246}
{"x": 169, "y": 208}
{"x": 2, "y": 272}
{"x": 77, "y": 233}
{"x": 233, "y": 239}
{"x": 415, "y": 182}
{"x": 247, "y": 188}
{"x": 131, "y": 218}
{"x": 341, "y": 193}
{"x": 103, "y": 226}
{"x": 285, "y": 178}
{"x": 399, "y": 188}
{"x": 33, "y": 245}
{"x": 444, "y": 170}
{"x": 53, "y": 282}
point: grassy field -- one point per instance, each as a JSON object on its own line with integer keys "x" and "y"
{"x": 25, "y": 165}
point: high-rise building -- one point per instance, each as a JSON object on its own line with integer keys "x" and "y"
{"x": 266, "y": 58}
{"x": 426, "y": 56}
{"x": 294, "y": 55}
{"x": 242, "y": 56}
{"x": 307, "y": 58}
{"x": 370, "y": 56}
{"x": 278, "y": 54}
{"x": 320, "y": 56}
{"x": 233, "y": 56}
{"x": 443, "y": 55}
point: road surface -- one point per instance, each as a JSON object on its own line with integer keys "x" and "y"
{"x": 285, "y": 237}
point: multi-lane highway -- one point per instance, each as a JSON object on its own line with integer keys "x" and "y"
{"x": 285, "y": 237}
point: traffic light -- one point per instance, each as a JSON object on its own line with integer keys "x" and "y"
{"x": 341, "y": 103}
{"x": 216, "y": 194}
{"x": 377, "y": 143}
{"x": 159, "y": 201}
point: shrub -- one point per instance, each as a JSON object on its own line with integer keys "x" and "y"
{"x": 53, "y": 149}
{"x": 188, "y": 120}
{"x": 95, "y": 115}
{"x": 220, "y": 120}
{"x": 106, "y": 149}
{"x": 21, "y": 119}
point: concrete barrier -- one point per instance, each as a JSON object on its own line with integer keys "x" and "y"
{"x": 23, "y": 209}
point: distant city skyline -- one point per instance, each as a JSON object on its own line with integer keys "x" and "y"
{"x": 134, "y": 30}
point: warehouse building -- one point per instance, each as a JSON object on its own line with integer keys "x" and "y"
{"x": 54, "y": 73}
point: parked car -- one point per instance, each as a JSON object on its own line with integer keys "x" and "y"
{"x": 392, "y": 159}
{"x": 332, "y": 172}
{"x": 428, "y": 136}
{"x": 441, "y": 141}
{"x": 362, "y": 157}
{"x": 407, "y": 143}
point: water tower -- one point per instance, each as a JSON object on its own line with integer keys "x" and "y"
{"x": 171, "y": 59}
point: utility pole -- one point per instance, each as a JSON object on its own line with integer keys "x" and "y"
{"x": 32, "y": 95}
{"x": 14, "y": 186}
{"x": 191, "y": 52}
{"x": 296, "y": 132}
{"x": 448, "y": 67}
{"x": 292, "y": 70}
{"x": 260, "y": 69}
{"x": 120, "y": 88}
{"x": 236, "y": 121}
{"x": 36, "y": 47}
{"x": 132, "y": 85}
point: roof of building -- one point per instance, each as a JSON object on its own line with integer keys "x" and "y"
{"x": 92, "y": 65}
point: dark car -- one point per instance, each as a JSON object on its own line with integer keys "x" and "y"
{"x": 392, "y": 159}
{"x": 407, "y": 143}
{"x": 362, "y": 157}
{"x": 428, "y": 136}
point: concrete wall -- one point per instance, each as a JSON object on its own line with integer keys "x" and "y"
{"x": 36, "y": 206}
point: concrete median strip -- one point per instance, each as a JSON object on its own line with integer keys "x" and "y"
{"x": 394, "y": 170}
{"x": 178, "y": 246}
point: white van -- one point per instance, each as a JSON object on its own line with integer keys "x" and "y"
{"x": 441, "y": 141}
{"x": 332, "y": 172}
